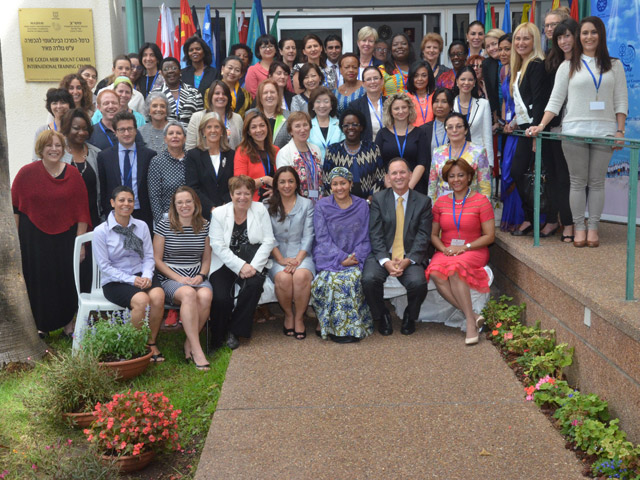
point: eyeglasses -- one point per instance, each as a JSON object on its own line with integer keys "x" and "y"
{"x": 451, "y": 128}
{"x": 126, "y": 130}
{"x": 138, "y": 68}
{"x": 372, "y": 79}
{"x": 475, "y": 66}
{"x": 350, "y": 125}
{"x": 457, "y": 54}
{"x": 381, "y": 49}
{"x": 180, "y": 203}
{"x": 551, "y": 25}
{"x": 172, "y": 68}
{"x": 266, "y": 46}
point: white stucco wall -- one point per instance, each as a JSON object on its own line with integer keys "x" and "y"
{"x": 25, "y": 101}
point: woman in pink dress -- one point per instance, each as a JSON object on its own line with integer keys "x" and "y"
{"x": 463, "y": 229}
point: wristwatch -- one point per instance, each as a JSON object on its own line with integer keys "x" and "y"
{"x": 468, "y": 245}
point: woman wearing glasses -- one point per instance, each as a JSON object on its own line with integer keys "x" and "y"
{"x": 266, "y": 50}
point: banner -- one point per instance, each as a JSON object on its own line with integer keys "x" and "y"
{"x": 622, "y": 21}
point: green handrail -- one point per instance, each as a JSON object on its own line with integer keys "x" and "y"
{"x": 634, "y": 146}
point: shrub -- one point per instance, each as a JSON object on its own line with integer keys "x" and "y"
{"x": 116, "y": 338}
{"x": 551, "y": 363}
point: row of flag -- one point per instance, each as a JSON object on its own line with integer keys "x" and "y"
{"x": 486, "y": 14}
{"x": 171, "y": 37}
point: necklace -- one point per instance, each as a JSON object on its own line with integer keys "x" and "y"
{"x": 55, "y": 174}
{"x": 77, "y": 165}
{"x": 351, "y": 152}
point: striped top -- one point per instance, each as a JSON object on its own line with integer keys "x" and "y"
{"x": 477, "y": 209}
{"x": 182, "y": 251}
{"x": 366, "y": 166}
{"x": 394, "y": 82}
{"x": 345, "y": 100}
{"x": 189, "y": 102}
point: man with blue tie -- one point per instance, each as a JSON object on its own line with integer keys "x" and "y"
{"x": 126, "y": 163}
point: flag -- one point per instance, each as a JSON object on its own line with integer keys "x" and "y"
{"x": 532, "y": 12}
{"x": 196, "y": 21}
{"x": 585, "y": 8}
{"x": 525, "y": 13}
{"x": 208, "y": 36}
{"x": 233, "y": 35}
{"x": 488, "y": 20}
{"x": 506, "y": 20}
{"x": 254, "y": 31}
{"x": 159, "y": 30}
{"x": 575, "y": 10}
{"x": 187, "y": 28}
{"x": 555, "y": 4}
{"x": 176, "y": 42}
{"x": 218, "y": 45}
{"x": 493, "y": 18}
{"x": 274, "y": 26}
{"x": 243, "y": 28}
{"x": 167, "y": 32}
{"x": 480, "y": 13}
{"x": 258, "y": 4}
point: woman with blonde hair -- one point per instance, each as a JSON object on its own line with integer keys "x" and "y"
{"x": 431, "y": 48}
{"x": 367, "y": 38}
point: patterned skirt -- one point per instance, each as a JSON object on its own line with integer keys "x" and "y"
{"x": 338, "y": 299}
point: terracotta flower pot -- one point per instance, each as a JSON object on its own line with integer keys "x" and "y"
{"x": 80, "y": 420}
{"x": 130, "y": 368}
{"x": 130, "y": 463}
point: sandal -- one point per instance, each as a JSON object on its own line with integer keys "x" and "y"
{"x": 288, "y": 332}
{"x": 300, "y": 335}
{"x": 203, "y": 368}
{"x": 156, "y": 357}
{"x": 564, "y": 238}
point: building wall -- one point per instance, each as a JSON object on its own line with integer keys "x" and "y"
{"x": 25, "y": 101}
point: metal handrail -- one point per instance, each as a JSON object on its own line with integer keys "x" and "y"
{"x": 631, "y": 143}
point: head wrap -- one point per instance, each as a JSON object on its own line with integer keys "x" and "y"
{"x": 340, "y": 172}
{"x": 120, "y": 80}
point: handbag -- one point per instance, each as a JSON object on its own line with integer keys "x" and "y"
{"x": 529, "y": 186}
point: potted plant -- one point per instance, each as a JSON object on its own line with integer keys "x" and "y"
{"x": 69, "y": 387}
{"x": 133, "y": 427}
{"x": 119, "y": 344}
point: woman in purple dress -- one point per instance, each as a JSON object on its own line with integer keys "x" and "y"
{"x": 341, "y": 224}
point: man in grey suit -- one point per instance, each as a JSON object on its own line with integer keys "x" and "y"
{"x": 400, "y": 232}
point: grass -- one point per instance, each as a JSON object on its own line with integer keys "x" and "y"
{"x": 194, "y": 392}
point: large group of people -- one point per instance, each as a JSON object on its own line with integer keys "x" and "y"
{"x": 325, "y": 171}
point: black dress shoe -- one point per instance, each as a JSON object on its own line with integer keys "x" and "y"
{"x": 408, "y": 326}
{"x": 384, "y": 327}
{"x": 522, "y": 233}
{"x": 232, "y": 341}
{"x": 345, "y": 339}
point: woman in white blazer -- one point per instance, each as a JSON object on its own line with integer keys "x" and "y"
{"x": 476, "y": 110}
{"x": 234, "y": 228}
{"x": 325, "y": 126}
{"x": 303, "y": 156}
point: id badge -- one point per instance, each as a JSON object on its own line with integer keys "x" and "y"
{"x": 596, "y": 106}
{"x": 457, "y": 242}
{"x": 313, "y": 193}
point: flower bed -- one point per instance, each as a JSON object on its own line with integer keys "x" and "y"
{"x": 584, "y": 419}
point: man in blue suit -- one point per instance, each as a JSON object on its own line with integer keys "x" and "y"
{"x": 126, "y": 163}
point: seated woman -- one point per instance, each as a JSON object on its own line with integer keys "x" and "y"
{"x": 241, "y": 242}
{"x": 183, "y": 256}
{"x": 302, "y": 155}
{"x": 461, "y": 239}
{"x": 341, "y": 224}
{"x": 361, "y": 157}
{"x": 124, "y": 253}
{"x": 293, "y": 269}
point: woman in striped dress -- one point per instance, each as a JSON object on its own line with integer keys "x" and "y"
{"x": 183, "y": 256}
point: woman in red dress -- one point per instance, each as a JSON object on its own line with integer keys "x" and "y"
{"x": 463, "y": 229}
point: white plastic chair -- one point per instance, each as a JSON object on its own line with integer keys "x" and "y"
{"x": 87, "y": 301}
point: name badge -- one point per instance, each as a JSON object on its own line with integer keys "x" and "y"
{"x": 457, "y": 242}
{"x": 313, "y": 193}
{"x": 596, "y": 105}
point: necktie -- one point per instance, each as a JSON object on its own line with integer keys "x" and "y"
{"x": 127, "y": 170}
{"x": 397, "y": 249}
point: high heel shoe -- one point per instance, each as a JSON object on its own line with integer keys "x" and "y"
{"x": 288, "y": 332}
{"x": 203, "y": 368}
{"x": 522, "y": 233}
{"x": 579, "y": 243}
{"x": 550, "y": 234}
{"x": 593, "y": 243}
{"x": 472, "y": 340}
{"x": 479, "y": 322}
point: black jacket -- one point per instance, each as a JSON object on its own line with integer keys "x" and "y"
{"x": 534, "y": 90}
{"x": 491, "y": 75}
{"x": 212, "y": 189}
{"x": 208, "y": 77}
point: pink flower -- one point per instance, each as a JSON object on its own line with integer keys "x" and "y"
{"x": 69, "y": 441}
{"x": 123, "y": 445}
{"x": 508, "y": 335}
{"x": 34, "y": 466}
{"x": 152, "y": 438}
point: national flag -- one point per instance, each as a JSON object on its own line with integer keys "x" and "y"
{"x": 254, "y": 31}
{"x": 233, "y": 34}
{"x": 207, "y": 34}
{"x": 218, "y": 44}
{"x": 159, "y": 30}
{"x": 532, "y": 16}
{"x": 525, "y": 13}
{"x": 243, "y": 28}
{"x": 488, "y": 20}
{"x": 575, "y": 10}
{"x": 176, "y": 42}
{"x": 493, "y": 18}
{"x": 585, "y": 8}
{"x": 167, "y": 32}
{"x": 274, "y": 26}
{"x": 480, "y": 13}
{"x": 506, "y": 20}
{"x": 555, "y": 4}
{"x": 263, "y": 28}
{"x": 196, "y": 21}
{"x": 187, "y": 28}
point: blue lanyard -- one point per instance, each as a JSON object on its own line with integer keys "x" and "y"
{"x": 458, "y": 222}
{"x": 311, "y": 167}
{"x": 286, "y": 104}
{"x": 468, "y": 109}
{"x": 105, "y": 133}
{"x": 267, "y": 168}
{"x": 152, "y": 83}
{"x": 178, "y": 103}
{"x": 374, "y": 111}
{"x": 55, "y": 127}
{"x": 404, "y": 144}
{"x": 461, "y": 151}
{"x": 424, "y": 113}
{"x": 444, "y": 137}
{"x": 597, "y": 85}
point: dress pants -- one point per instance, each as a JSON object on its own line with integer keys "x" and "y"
{"x": 413, "y": 279}
{"x": 227, "y": 318}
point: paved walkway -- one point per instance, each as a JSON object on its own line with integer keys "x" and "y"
{"x": 418, "y": 407}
